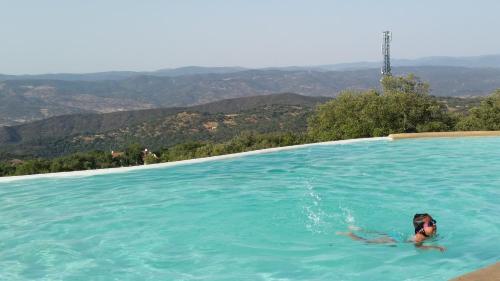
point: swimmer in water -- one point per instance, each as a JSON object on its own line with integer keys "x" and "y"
{"x": 425, "y": 227}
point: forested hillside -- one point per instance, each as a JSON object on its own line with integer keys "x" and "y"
{"x": 239, "y": 125}
{"x": 24, "y": 100}
{"x": 157, "y": 128}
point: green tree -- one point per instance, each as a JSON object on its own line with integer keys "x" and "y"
{"x": 405, "y": 106}
{"x": 181, "y": 151}
{"x": 133, "y": 154}
{"x": 486, "y": 116}
{"x": 350, "y": 115}
{"x": 7, "y": 169}
{"x": 36, "y": 166}
{"x": 151, "y": 158}
{"x": 409, "y": 84}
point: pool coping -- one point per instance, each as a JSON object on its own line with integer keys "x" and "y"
{"x": 491, "y": 272}
{"x": 86, "y": 173}
{"x": 445, "y": 134}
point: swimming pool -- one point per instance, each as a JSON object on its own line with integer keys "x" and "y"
{"x": 270, "y": 216}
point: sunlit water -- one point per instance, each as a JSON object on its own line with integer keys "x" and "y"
{"x": 263, "y": 217}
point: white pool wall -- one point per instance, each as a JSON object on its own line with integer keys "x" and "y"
{"x": 85, "y": 173}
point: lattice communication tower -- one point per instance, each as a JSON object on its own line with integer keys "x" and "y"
{"x": 386, "y": 52}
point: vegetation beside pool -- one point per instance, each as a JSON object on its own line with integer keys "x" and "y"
{"x": 403, "y": 106}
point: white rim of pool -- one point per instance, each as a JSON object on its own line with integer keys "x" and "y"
{"x": 86, "y": 173}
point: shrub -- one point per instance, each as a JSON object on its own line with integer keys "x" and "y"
{"x": 486, "y": 116}
{"x": 405, "y": 106}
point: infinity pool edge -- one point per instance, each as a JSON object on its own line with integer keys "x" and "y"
{"x": 86, "y": 173}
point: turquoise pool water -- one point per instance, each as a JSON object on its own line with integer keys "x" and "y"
{"x": 270, "y": 216}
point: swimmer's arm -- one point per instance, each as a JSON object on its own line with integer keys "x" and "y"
{"x": 381, "y": 240}
{"x": 430, "y": 247}
{"x": 352, "y": 236}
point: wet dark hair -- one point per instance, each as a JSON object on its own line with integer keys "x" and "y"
{"x": 418, "y": 221}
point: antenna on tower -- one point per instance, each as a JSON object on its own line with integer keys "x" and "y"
{"x": 386, "y": 52}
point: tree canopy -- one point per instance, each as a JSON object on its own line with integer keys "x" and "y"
{"x": 486, "y": 116}
{"x": 404, "y": 106}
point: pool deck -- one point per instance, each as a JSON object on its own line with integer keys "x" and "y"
{"x": 445, "y": 134}
{"x": 490, "y": 273}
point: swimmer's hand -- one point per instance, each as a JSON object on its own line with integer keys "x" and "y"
{"x": 430, "y": 247}
{"x": 441, "y": 248}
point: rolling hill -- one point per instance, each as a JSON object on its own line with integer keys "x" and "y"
{"x": 23, "y": 101}
{"x": 156, "y": 128}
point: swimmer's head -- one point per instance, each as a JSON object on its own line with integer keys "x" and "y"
{"x": 424, "y": 223}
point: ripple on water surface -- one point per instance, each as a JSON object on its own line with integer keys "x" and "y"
{"x": 261, "y": 217}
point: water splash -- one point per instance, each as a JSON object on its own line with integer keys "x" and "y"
{"x": 315, "y": 214}
{"x": 348, "y": 217}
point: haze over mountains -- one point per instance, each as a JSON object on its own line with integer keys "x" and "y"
{"x": 29, "y": 98}
{"x": 485, "y": 61}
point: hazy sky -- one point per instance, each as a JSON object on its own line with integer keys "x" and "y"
{"x": 42, "y": 36}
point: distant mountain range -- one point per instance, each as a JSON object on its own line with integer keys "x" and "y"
{"x": 485, "y": 61}
{"x": 157, "y": 128}
{"x": 119, "y": 75}
{"x": 27, "y": 100}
